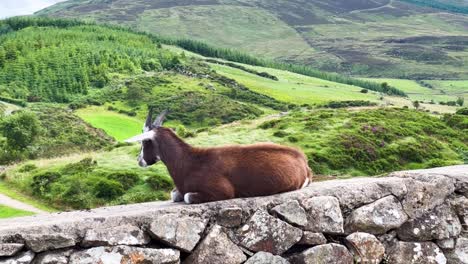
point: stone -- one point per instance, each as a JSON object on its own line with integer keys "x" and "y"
{"x": 447, "y": 243}
{"x": 23, "y": 258}
{"x": 129, "y": 235}
{"x": 216, "y": 247}
{"x": 377, "y": 218}
{"x": 181, "y": 232}
{"x": 323, "y": 215}
{"x": 291, "y": 212}
{"x": 230, "y": 217}
{"x": 39, "y": 242}
{"x": 388, "y": 238}
{"x": 366, "y": 248}
{"x": 53, "y": 257}
{"x": 460, "y": 205}
{"x": 266, "y": 258}
{"x": 125, "y": 255}
{"x": 415, "y": 253}
{"x": 440, "y": 223}
{"x": 428, "y": 190}
{"x": 459, "y": 255}
{"x": 264, "y": 232}
{"x": 312, "y": 239}
{"x": 323, "y": 254}
{"x": 10, "y": 249}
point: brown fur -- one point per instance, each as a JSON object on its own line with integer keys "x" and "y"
{"x": 229, "y": 172}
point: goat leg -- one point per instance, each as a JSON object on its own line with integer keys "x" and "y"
{"x": 176, "y": 196}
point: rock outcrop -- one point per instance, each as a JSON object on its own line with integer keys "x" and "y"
{"x": 407, "y": 217}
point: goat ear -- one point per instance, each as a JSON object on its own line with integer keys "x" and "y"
{"x": 160, "y": 119}
{"x": 149, "y": 118}
{"x": 145, "y": 136}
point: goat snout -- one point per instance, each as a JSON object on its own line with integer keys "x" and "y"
{"x": 142, "y": 163}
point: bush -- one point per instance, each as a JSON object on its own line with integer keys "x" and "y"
{"x": 269, "y": 124}
{"x": 158, "y": 182}
{"x": 183, "y": 132}
{"x": 142, "y": 197}
{"x": 280, "y": 134}
{"x": 462, "y": 111}
{"x": 27, "y": 168}
{"x": 127, "y": 179}
{"x": 108, "y": 189}
{"x": 83, "y": 166}
{"x": 364, "y": 91}
{"x": 42, "y": 182}
{"x": 354, "y": 103}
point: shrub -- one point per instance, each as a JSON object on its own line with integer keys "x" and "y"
{"x": 183, "y": 132}
{"x": 269, "y": 124}
{"x": 142, "y": 197}
{"x": 280, "y": 134}
{"x": 83, "y": 166}
{"x": 158, "y": 182}
{"x": 27, "y": 167}
{"x": 462, "y": 111}
{"x": 364, "y": 91}
{"x": 127, "y": 179}
{"x": 354, "y": 103}
{"x": 41, "y": 182}
{"x": 108, "y": 189}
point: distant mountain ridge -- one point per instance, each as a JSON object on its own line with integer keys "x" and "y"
{"x": 379, "y": 38}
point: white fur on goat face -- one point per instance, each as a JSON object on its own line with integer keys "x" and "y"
{"x": 149, "y": 152}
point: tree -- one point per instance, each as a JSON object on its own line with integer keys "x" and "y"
{"x": 416, "y": 104}
{"x": 460, "y": 101}
{"x": 20, "y": 129}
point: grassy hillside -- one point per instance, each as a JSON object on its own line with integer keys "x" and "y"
{"x": 431, "y": 90}
{"x": 57, "y": 132}
{"x": 295, "y": 88}
{"x": 383, "y": 38}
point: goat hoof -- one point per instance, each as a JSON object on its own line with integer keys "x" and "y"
{"x": 176, "y": 196}
{"x": 189, "y": 198}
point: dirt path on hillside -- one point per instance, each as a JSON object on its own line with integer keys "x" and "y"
{"x": 7, "y": 201}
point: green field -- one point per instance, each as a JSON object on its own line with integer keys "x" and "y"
{"x": 7, "y": 212}
{"x": 441, "y": 90}
{"x": 117, "y": 125}
{"x": 295, "y": 88}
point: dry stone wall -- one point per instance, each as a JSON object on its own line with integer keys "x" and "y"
{"x": 406, "y": 217}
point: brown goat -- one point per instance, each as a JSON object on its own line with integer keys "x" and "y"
{"x": 213, "y": 174}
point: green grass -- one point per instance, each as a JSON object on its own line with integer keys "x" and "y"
{"x": 7, "y": 212}
{"x": 9, "y": 190}
{"x": 117, "y": 125}
{"x": 441, "y": 91}
{"x": 295, "y": 88}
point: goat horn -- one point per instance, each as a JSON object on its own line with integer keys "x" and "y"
{"x": 149, "y": 118}
{"x": 160, "y": 119}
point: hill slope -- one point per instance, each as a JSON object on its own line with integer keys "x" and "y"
{"x": 379, "y": 38}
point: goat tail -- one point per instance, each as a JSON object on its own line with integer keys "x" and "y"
{"x": 309, "y": 177}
